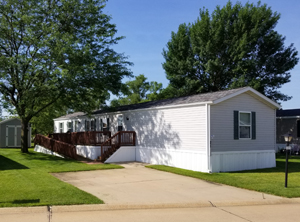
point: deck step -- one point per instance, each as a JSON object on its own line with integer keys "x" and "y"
{"x": 107, "y": 154}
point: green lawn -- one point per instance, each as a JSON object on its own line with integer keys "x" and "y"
{"x": 265, "y": 180}
{"x": 26, "y": 180}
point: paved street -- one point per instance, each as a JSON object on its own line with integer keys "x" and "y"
{"x": 260, "y": 213}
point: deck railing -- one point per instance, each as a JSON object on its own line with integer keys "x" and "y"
{"x": 122, "y": 138}
{"x": 82, "y": 138}
{"x": 59, "y": 147}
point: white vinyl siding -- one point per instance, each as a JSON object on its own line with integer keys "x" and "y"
{"x": 181, "y": 128}
{"x": 222, "y": 125}
{"x": 174, "y": 128}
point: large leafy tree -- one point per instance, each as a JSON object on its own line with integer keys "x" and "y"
{"x": 137, "y": 91}
{"x": 43, "y": 122}
{"x": 234, "y": 46}
{"x": 1, "y": 117}
{"x": 57, "y": 52}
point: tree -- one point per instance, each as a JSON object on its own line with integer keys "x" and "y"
{"x": 137, "y": 91}
{"x": 233, "y": 47}
{"x": 1, "y": 117}
{"x": 43, "y": 122}
{"x": 55, "y": 52}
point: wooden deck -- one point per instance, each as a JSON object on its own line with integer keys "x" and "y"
{"x": 65, "y": 143}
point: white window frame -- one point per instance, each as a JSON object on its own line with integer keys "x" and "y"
{"x": 250, "y": 134}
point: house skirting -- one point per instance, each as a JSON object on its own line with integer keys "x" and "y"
{"x": 41, "y": 149}
{"x": 90, "y": 152}
{"x": 247, "y": 160}
{"x": 185, "y": 159}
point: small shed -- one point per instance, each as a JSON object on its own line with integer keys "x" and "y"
{"x": 10, "y": 133}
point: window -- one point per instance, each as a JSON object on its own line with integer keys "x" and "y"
{"x": 93, "y": 125}
{"x": 76, "y": 126}
{"x": 70, "y": 126}
{"x": 245, "y": 125}
{"x": 120, "y": 123}
{"x": 105, "y": 124}
{"x": 87, "y": 125}
{"x": 61, "y": 127}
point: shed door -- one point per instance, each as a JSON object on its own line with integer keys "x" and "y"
{"x": 10, "y": 136}
{"x": 13, "y": 136}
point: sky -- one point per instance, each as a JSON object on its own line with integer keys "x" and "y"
{"x": 147, "y": 27}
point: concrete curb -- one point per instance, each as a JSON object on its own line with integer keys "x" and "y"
{"x": 103, "y": 207}
{"x": 256, "y": 202}
{"x": 109, "y": 207}
{"x": 23, "y": 210}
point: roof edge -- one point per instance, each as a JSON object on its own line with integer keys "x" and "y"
{"x": 136, "y": 110}
{"x": 7, "y": 120}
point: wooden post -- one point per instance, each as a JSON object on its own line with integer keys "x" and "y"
{"x": 119, "y": 138}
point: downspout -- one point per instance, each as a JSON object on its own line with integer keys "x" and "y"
{"x": 208, "y": 137}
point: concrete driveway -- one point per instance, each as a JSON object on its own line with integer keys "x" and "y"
{"x": 136, "y": 185}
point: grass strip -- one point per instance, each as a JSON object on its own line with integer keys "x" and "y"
{"x": 26, "y": 180}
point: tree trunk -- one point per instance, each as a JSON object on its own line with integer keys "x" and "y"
{"x": 24, "y": 136}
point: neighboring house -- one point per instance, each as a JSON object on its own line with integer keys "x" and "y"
{"x": 287, "y": 121}
{"x": 221, "y": 131}
{"x": 10, "y": 133}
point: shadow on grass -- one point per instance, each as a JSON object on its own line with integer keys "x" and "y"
{"x": 45, "y": 157}
{"x": 23, "y": 201}
{"x": 8, "y": 164}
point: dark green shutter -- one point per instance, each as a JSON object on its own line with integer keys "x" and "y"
{"x": 85, "y": 127}
{"x": 107, "y": 124}
{"x": 101, "y": 125}
{"x": 253, "y": 125}
{"x": 236, "y": 125}
{"x": 95, "y": 124}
